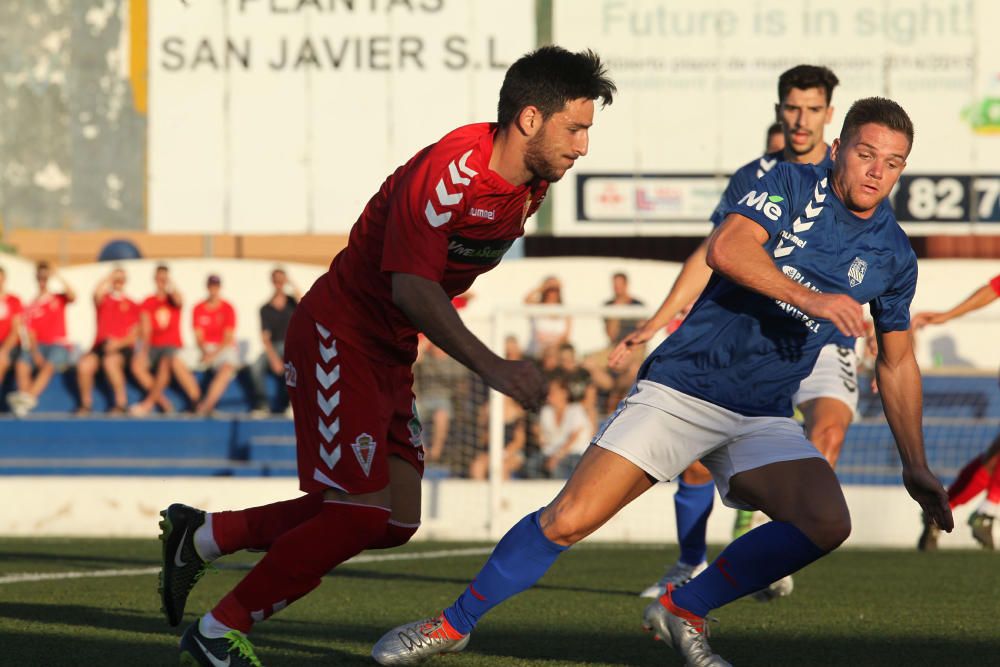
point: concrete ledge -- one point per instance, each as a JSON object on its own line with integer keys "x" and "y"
{"x": 884, "y": 516}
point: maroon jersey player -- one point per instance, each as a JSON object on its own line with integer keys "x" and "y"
{"x": 436, "y": 223}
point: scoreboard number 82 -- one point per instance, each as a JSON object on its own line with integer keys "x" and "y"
{"x": 958, "y": 198}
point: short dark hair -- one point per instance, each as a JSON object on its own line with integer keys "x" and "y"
{"x": 162, "y": 267}
{"x": 804, "y": 77}
{"x": 876, "y": 110}
{"x": 550, "y": 77}
{"x": 620, "y": 274}
{"x": 42, "y": 264}
{"x": 773, "y": 129}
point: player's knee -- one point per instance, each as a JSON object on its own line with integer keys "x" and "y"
{"x": 564, "y": 523}
{"x": 829, "y": 531}
{"x": 396, "y": 535}
{"x": 696, "y": 474}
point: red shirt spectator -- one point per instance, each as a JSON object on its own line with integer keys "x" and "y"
{"x": 10, "y": 307}
{"x": 213, "y": 322}
{"x": 165, "y": 321}
{"x": 46, "y": 318}
{"x": 995, "y": 284}
{"x": 116, "y": 316}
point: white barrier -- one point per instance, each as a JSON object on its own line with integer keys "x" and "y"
{"x": 883, "y": 516}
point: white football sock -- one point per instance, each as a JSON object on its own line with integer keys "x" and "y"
{"x": 204, "y": 541}
{"x": 989, "y": 508}
{"x": 211, "y": 627}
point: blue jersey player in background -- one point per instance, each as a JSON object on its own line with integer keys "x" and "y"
{"x": 794, "y": 260}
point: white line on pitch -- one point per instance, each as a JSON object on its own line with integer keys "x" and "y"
{"x": 21, "y": 577}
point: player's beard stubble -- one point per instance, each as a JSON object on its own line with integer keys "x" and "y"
{"x": 538, "y": 160}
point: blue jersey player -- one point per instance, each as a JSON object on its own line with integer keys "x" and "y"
{"x": 828, "y": 396}
{"x": 794, "y": 260}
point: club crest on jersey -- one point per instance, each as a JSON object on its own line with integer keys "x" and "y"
{"x": 291, "y": 375}
{"x": 857, "y": 271}
{"x": 364, "y": 452}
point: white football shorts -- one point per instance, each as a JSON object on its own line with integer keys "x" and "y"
{"x": 663, "y": 431}
{"x": 835, "y": 375}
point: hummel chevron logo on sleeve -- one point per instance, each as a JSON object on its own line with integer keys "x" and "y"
{"x": 436, "y": 219}
{"x": 446, "y": 198}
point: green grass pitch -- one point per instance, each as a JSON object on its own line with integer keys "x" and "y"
{"x": 854, "y": 608}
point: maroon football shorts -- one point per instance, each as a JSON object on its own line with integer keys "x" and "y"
{"x": 351, "y": 412}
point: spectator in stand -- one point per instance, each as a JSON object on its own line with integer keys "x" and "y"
{"x": 44, "y": 349}
{"x": 514, "y": 438}
{"x": 617, "y": 329}
{"x": 274, "y": 318}
{"x": 437, "y": 379}
{"x": 157, "y": 359}
{"x": 565, "y": 430}
{"x": 10, "y": 325}
{"x": 515, "y": 427}
{"x": 214, "y": 330}
{"x": 578, "y": 380}
{"x": 548, "y": 362}
{"x": 616, "y": 382}
{"x": 547, "y": 330}
{"x": 117, "y": 331}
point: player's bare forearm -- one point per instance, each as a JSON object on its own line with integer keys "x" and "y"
{"x": 902, "y": 400}
{"x": 689, "y": 284}
{"x": 428, "y": 307}
{"x": 430, "y": 311}
{"x": 981, "y": 297}
{"x": 736, "y": 251}
{"x": 898, "y": 378}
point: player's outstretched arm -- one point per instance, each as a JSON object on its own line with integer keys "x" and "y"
{"x": 430, "y": 310}
{"x": 898, "y": 378}
{"x": 736, "y": 251}
{"x": 689, "y": 284}
{"x": 983, "y": 296}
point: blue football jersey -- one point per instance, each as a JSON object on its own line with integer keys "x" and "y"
{"x": 747, "y": 352}
{"x": 744, "y": 178}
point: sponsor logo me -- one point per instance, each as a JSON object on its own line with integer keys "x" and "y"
{"x": 768, "y": 204}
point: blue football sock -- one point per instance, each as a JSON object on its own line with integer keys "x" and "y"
{"x": 518, "y": 561}
{"x": 752, "y": 562}
{"x": 692, "y": 505}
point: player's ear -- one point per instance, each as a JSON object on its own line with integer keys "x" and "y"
{"x": 835, "y": 149}
{"x": 530, "y": 120}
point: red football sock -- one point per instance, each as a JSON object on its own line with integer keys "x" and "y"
{"x": 972, "y": 479}
{"x": 297, "y": 561}
{"x": 259, "y": 527}
{"x": 993, "y": 487}
{"x": 396, "y": 534}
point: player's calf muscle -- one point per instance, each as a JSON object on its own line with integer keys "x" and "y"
{"x": 804, "y": 493}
